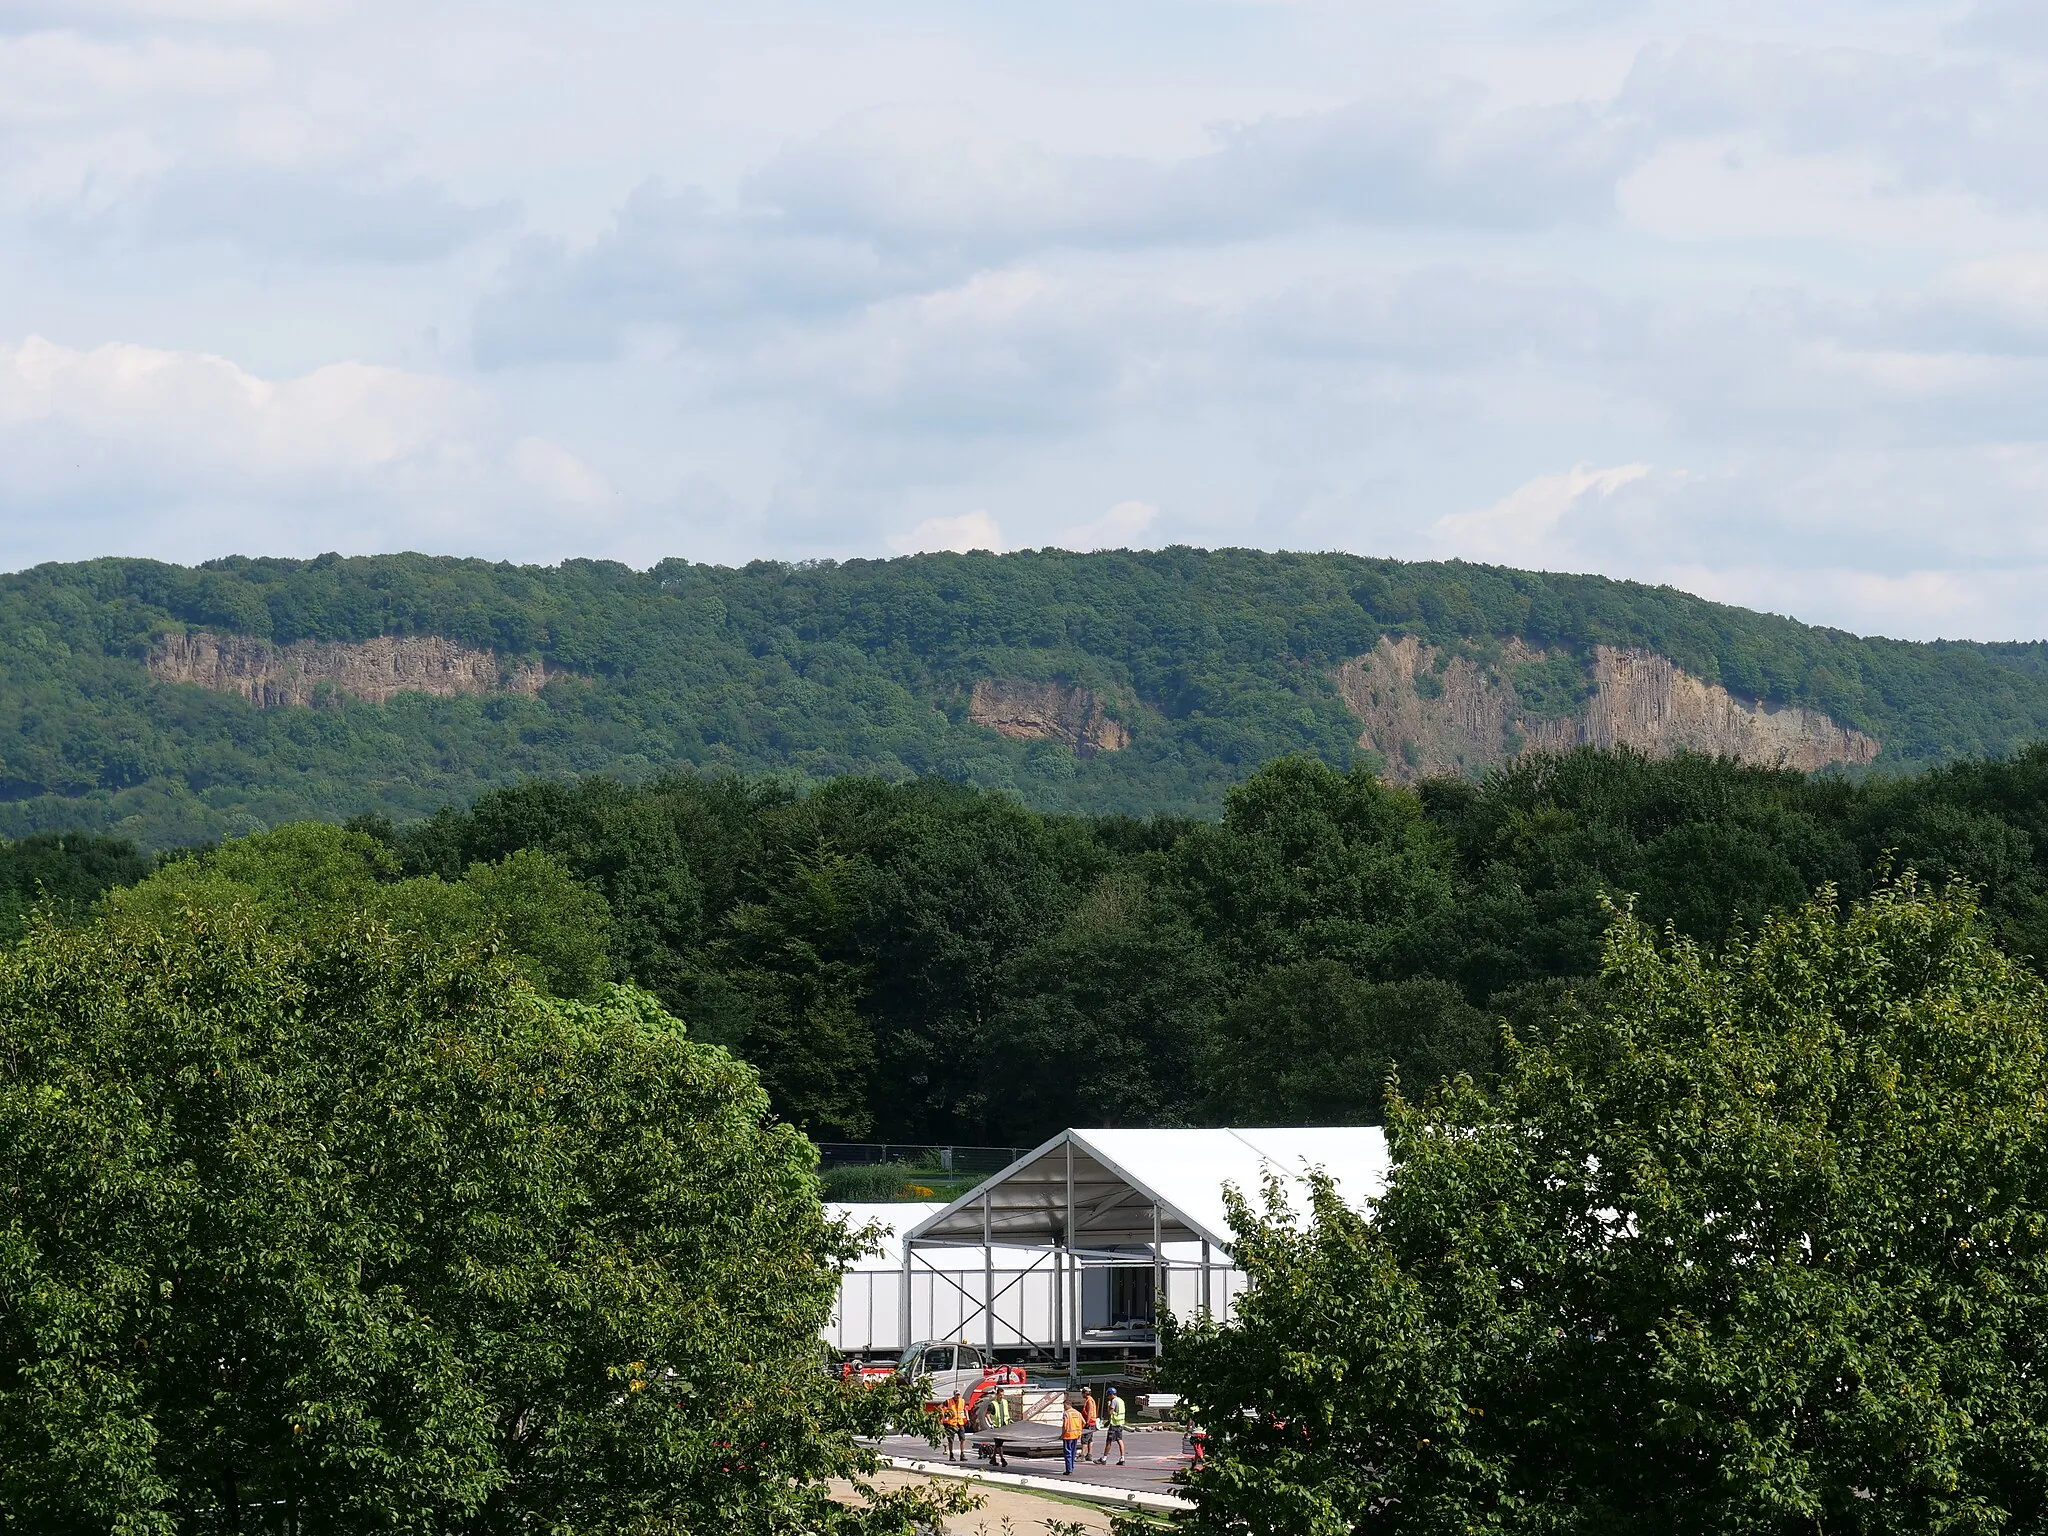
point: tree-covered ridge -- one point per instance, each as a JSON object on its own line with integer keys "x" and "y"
{"x": 1215, "y": 661}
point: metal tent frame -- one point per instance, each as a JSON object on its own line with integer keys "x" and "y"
{"x": 1127, "y": 1198}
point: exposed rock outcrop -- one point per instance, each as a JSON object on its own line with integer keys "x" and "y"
{"x": 1645, "y": 701}
{"x": 1047, "y": 712}
{"x": 1431, "y": 714}
{"x": 304, "y": 672}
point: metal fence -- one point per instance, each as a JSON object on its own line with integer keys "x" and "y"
{"x": 948, "y": 1159}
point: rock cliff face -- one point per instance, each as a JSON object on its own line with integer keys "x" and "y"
{"x": 1046, "y": 712}
{"x": 268, "y": 675}
{"x": 1430, "y": 714}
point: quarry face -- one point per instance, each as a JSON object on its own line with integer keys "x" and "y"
{"x": 1431, "y": 713}
{"x": 308, "y": 672}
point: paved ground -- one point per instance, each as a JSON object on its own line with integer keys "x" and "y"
{"x": 1003, "y": 1511}
{"x": 1154, "y": 1455}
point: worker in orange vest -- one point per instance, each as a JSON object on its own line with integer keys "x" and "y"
{"x": 953, "y": 1420}
{"x": 1070, "y": 1435}
{"x": 1090, "y": 1418}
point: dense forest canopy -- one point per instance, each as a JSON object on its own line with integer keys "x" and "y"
{"x": 1209, "y": 663}
{"x": 928, "y": 961}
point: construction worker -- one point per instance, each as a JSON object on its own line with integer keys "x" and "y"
{"x": 953, "y": 1419}
{"x": 1114, "y": 1435}
{"x": 1070, "y": 1434}
{"x": 1088, "y": 1422}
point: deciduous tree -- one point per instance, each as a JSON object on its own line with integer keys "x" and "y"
{"x": 332, "y": 1229}
{"x": 1757, "y": 1244}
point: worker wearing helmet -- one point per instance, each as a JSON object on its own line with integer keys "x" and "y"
{"x": 953, "y": 1419}
{"x": 1114, "y": 1411}
{"x": 1070, "y": 1435}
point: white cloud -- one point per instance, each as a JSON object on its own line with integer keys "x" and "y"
{"x": 1973, "y": 602}
{"x": 1123, "y": 526}
{"x": 203, "y": 11}
{"x": 199, "y": 410}
{"x": 1520, "y": 528}
{"x": 969, "y": 531}
{"x": 892, "y": 204}
{"x": 189, "y": 446}
{"x": 54, "y": 77}
{"x": 559, "y": 474}
{"x": 315, "y": 213}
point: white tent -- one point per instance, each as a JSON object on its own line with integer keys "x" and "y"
{"x": 1086, "y": 1240}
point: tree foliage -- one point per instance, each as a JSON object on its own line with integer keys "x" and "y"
{"x": 930, "y": 962}
{"x": 1757, "y": 1244}
{"x": 306, "y": 875}
{"x": 329, "y": 1224}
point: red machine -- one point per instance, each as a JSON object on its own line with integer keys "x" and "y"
{"x": 951, "y": 1367}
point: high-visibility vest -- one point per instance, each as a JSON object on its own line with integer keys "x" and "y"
{"x": 1088, "y": 1409}
{"x": 1116, "y": 1412}
{"x": 1070, "y": 1426}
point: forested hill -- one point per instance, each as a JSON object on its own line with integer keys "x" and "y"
{"x": 177, "y": 705}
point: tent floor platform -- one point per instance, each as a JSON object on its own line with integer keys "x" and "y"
{"x": 1154, "y": 1456}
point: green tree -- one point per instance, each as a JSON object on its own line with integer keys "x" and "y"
{"x": 63, "y": 872}
{"x": 1309, "y": 863}
{"x": 1311, "y": 1044}
{"x": 1107, "y": 1020}
{"x": 552, "y": 927}
{"x": 336, "y": 1230}
{"x": 794, "y": 1000}
{"x": 620, "y": 841}
{"x": 555, "y": 929}
{"x": 1759, "y": 1245}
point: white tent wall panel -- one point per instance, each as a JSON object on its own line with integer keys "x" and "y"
{"x": 944, "y": 1304}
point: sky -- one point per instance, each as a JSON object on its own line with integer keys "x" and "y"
{"x": 1751, "y": 299}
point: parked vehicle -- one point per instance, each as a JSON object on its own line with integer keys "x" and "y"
{"x": 958, "y": 1366}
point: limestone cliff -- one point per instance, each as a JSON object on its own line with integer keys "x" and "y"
{"x": 1430, "y": 713}
{"x": 1046, "y": 712}
{"x": 268, "y": 675}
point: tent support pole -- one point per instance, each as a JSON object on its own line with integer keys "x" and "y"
{"x": 1073, "y": 1277}
{"x": 1206, "y": 1314}
{"x": 988, "y": 1283}
{"x": 1059, "y": 1300}
{"x": 1159, "y": 1293}
{"x": 903, "y": 1341}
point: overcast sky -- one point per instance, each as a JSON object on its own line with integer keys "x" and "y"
{"x": 1749, "y": 298}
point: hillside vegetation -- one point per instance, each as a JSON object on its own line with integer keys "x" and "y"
{"x": 1132, "y": 683}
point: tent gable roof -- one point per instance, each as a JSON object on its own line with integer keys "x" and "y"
{"x": 1121, "y": 1176}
